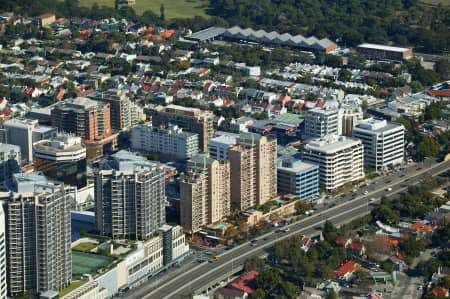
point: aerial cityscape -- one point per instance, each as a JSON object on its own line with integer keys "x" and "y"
{"x": 224, "y": 149}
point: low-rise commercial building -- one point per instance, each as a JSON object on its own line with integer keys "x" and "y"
{"x": 297, "y": 178}
{"x": 340, "y": 159}
{"x": 384, "y": 143}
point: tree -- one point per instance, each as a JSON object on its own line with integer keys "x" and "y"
{"x": 442, "y": 67}
{"x": 416, "y": 86}
{"x": 254, "y": 263}
{"x": 288, "y": 289}
{"x": 302, "y": 206}
{"x": 268, "y": 280}
{"x": 411, "y": 247}
{"x": 258, "y": 294}
{"x": 356, "y": 61}
{"x": 332, "y": 295}
{"x": 428, "y": 147}
{"x": 161, "y": 10}
{"x": 116, "y": 4}
{"x": 329, "y": 231}
{"x": 344, "y": 75}
{"x": 385, "y": 214}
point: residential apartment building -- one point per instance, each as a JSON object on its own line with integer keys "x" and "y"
{"x": 23, "y": 133}
{"x": 384, "y": 143}
{"x": 10, "y": 161}
{"x": 45, "y": 20}
{"x": 137, "y": 114}
{"x": 204, "y": 192}
{"x": 129, "y": 197}
{"x": 171, "y": 141}
{"x": 3, "y": 278}
{"x": 62, "y": 158}
{"x": 120, "y": 109}
{"x": 340, "y": 159}
{"x": 84, "y": 117}
{"x": 38, "y": 235}
{"x": 347, "y": 120}
{"x": 219, "y": 146}
{"x": 298, "y": 178}
{"x": 253, "y": 164}
{"x": 190, "y": 119}
{"x": 321, "y": 122}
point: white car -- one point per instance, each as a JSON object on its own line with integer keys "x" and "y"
{"x": 366, "y": 192}
{"x": 389, "y": 189}
{"x": 373, "y": 199}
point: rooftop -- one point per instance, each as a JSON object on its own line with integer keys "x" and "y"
{"x": 382, "y": 47}
{"x": 61, "y": 143}
{"x": 225, "y": 139}
{"x": 332, "y": 143}
{"x": 377, "y": 125}
{"x": 294, "y": 165}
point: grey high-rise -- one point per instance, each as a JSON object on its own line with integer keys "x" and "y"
{"x": 38, "y": 235}
{"x": 130, "y": 197}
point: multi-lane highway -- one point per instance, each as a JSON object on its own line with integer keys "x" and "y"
{"x": 340, "y": 212}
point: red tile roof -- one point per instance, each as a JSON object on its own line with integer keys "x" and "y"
{"x": 244, "y": 282}
{"x": 341, "y": 241}
{"x": 421, "y": 227}
{"x": 438, "y": 292}
{"x": 439, "y": 92}
{"x": 348, "y": 267}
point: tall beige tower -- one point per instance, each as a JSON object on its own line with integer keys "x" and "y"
{"x": 205, "y": 192}
{"x": 253, "y": 170}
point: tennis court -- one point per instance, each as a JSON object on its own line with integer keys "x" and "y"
{"x": 86, "y": 263}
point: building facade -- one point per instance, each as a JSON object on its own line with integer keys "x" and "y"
{"x": 23, "y": 133}
{"x": 298, "y": 178}
{"x": 63, "y": 159}
{"x": 119, "y": 104}
{"x": 219, "y": 146}
{"x": 382, "y": 52}
{"x": 253, "y": 165}
{"x": 10, "y": 161}
{"x": 384, "y": 143}
{"x": 347, "y": 120}
{"x": 3, "y": 277}
{"x": 38, "y": 235}
{"x": 321, "y": 122}
{"x": 170, "y": 142}
{"x": 129, "y": 198}
{"x": 340, "y": 160}
{"x": 204, "y": 193}
{"x": 83, "y": 117}
{"x": 190, "y": 119}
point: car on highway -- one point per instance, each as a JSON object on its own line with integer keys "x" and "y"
{"x": 389, "y": 189}
{"x": 254, "y": 243}
{"x": 366, "y": 192}
{"x": 373, "y": 199}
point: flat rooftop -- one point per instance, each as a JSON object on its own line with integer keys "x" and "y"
{"x": 383, "y": 47}
{"x": 331, "y": 144}
{"x": 373, "y": 125}
{"x": 206, "y": 34}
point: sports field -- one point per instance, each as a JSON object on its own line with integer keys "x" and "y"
{"x": 172, "y": 8}
{"x": 85, "y": 263}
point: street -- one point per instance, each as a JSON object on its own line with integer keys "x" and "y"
{"x": 199, "y": 276}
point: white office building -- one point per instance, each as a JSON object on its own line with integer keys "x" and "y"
{"x": 321, "y": 122}
{"x": 340, "y": 159}
{"x": 171, "y": 142}
{"x": 384, "y": 143}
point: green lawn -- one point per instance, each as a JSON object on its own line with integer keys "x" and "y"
{"x": 172, "y": 8}
{"x": 85, "y": 247}
{"x": 70, "y": 288}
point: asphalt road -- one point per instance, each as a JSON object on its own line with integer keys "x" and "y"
{"x": 201, "y": 275}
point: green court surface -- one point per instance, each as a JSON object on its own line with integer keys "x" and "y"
{"x": 83, "y": 263}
